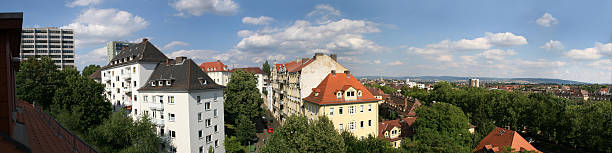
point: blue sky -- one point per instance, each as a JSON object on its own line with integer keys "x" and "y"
{"x": 551, "y": 39}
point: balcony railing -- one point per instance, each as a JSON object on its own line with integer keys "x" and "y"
{"x": 158, "y": 122}
{"x": 156, "y": 106}
{"x": 126, "y": 76}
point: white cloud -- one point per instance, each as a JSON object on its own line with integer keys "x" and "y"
{"x": 262, "y": 20}
{"x": 496, "y": 54}
{"x": 199, "y": 7}
{"x": 377, "y": 61}
{"x": 83, "y": 3}
{"x": 542, "y": 63}
{"x": 490, "y": 40}
{"x": 95, "y": 56}
{"x": 395, "y": 63}
{"x": 324, "y": 13}
{"x": 546, "y": 20}
{"x": 198, "y": 55}
{"x": 553, "y": 45}
{"x": 98, "y": 26}
{"x": 175, "y": 43}
{"x": 603, "y": 64}
{"x": 593, "y": 53}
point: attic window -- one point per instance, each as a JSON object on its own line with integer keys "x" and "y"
{"x": 316, "y": 94}
{"x": 161, "y": 83}
{"x": 153, "y": 83}
{"x": 168, "y": 82}
{"x": 339, "y": 95}
{"x": 359, "y": 93}
{"x": 202, "y": 81}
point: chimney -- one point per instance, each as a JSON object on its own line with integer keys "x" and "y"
{"x": 333, "y": 72}
{"x": 180, "y": 59}
{"x": 145, "y": 40}
{"x": 218, "y": 60}
{"x": 168, "y": 61}
{"x": 347, "y": 72}
{"x": 317, "y": 54}
{"x": 333, "y": 56}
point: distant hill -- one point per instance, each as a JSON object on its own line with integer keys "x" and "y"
{"x": 482, "y": 79}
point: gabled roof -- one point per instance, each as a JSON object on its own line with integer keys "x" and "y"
{"x": 141, "y": 52}
{"x": 376, "y": 91}
{"x": 403, "y": 124}
{"x": 216, "y": 66}
{"x": 184, "y": 75}
{"x": 295, "y": 66}
{"x": 96, "y": 75}
{"x": 499, "y": 137}
{"x": 254, "y": 70}
{"x": 337, "y": 82}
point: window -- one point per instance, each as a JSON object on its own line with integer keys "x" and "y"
{"x": 361, "y": 109}
{"x": 136, "y": 111}
{"x": 352, "y": 126}
{"x": 361, "y": 124}
{"x": 339, "y": 95}
{"x": 153, "y": 84}
{"x": 171, "y": 119}
{"x": 160, "y": 83}
{"x": 200, "y": 134}
{"x": 134, "y": 83}
{"x": 207, "y": 105}
{"x": 216, "y": 143}
{"x": 134, "y": 69}
{"x": 171, "y": 99}
{"x": 201, "y": 149}
{"x": 369, "y": 122}
{"x": 167, "y": 82}
{"x": 208, "y": 138}
{"x": 200, "y": 116}
{"x": 215, "y": 113}
{"x": 341, "y": 126}
{"x": 351, "y": 109}
{"x": 208, "y": 122}
{"x": 359, "y": 93}
{"x": 145, "y": 98}
{"x": 215, "y": 98}
{"x": 331, "y": 111}
{"x": 369, "y": 107}
{"x": 216, "y": 130}
{"x": 198, "y": 100}
{"x": 161, "y": 99}
{"x": 340, "y": 110}
{"x": 173, "y": 134}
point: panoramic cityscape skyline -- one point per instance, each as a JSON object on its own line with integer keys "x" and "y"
{"x": 546, "y": 39}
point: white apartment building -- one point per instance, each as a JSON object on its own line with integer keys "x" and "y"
{"x": 56, "y": 43}
{"x": 184, "y": 103}
{"x": 474, "y": 82}
{"x": 217, "y": 71}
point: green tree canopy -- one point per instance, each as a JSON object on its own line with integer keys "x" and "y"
{"x": 298, "y": 134}
{"x": 370, "y": 144}
{"x": 37, "y": 81}
{"x": 441, "y": 127}
{"x": 242, "y": 98}
{"x": 266, "y": 68}
{"x": 90, "y": 69}
{"x": 120, "y": 133}
{"x": 245, "y": 130}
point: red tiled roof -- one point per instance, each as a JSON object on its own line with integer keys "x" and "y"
{"x": 278, "y": 66}
{"x": 499, "y": 137}
{"x": 294, "y": 66}
{"x": 255, "y": 70}
{"x": 403, "y": 124}
{"x": 217, "y": 66}
{"x": 339, "y": 82}
{"x": 47, "y": 135}
{"x": 376, "y": 91}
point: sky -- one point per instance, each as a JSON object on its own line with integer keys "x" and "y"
{"x": 569, "y": 40}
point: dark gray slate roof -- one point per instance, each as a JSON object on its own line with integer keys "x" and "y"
{"x": 142, "y": 52}
{"x": 184, "y": 76}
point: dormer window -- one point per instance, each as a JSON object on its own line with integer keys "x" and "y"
{"x": 153, "y": 83}
{"x": 202, "y": 81}
{"x": 359, "y": 93}
{"x": 339, "y": 95}
{"x": 350, "y": 94}
{"x": 316, "y": 94}
{"x": 168, "y": 82}
{"x": 161, "y": 83}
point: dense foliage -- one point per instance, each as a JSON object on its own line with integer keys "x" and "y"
{"x": 543, "y": 116}
{"x": 37, "y": 81}
{"x": 385, "y": 89}
{"x": 441, "y": 127}
{"x": 120, "y": 133}
{"x": 242, "y": 106}
{"x": 298, "y": 134}
{"x": 368, "y": 145}
{"x": 90, "y": 69}
{"x": 266, "y": 68}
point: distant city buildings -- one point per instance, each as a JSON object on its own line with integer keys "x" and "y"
{"x": 474, "y": 82}
{"x": 56, "y": 43}
{"x": 114, "y": 47}
{"x": 184, "y": 103}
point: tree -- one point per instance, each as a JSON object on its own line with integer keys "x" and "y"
{"x": 245, "y": 130}
{"x": 37, "y": 81}
{"x": 298, "y": 134}
{"x": 370, "y": 144}
{"x": 266, "y": 68}
{"x": 232, "y": 145}
{"x": 80, "y": 104}
{"x": 211, "y": 150}
{"x": 119, "y": 133}
{"x": 441, "y": 127}
{"x": 242, "y": 98}
{"x": 90, "y": 69}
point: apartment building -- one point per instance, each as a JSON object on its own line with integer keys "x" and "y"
{"x": 346, "y": 102}
{"x": 217, "y": 71}
{"x": 396, "y": 130}
{"x": 114, "y": 47}
{"x": 185, "y": 104}
{"x": 56, "y": 43}
{"x": 293, "y": 81}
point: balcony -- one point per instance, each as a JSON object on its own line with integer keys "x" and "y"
{"x": 127, "y": 102}
{"x": 158, "y": 122}
{"x": 156, "y": 106}
{"x": 126, "y": 76}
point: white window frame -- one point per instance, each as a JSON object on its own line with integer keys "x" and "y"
{"x": 362, "y": 108}
{"x": 369, "y": 107}
{"x": 331, "y": 111}
{"x": 340, "y": 110}
{"x": 207, "y": 106}
{"x": 199, "y": 116}
{"x": 341, "y": 126}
